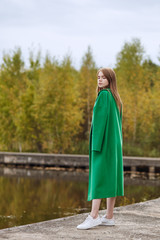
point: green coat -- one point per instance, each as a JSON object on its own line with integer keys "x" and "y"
{"x": 105, "y": 149}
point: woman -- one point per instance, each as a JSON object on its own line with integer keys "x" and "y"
{"x": 105, "y": 150}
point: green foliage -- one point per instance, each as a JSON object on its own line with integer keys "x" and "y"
{"x": 48, "y": 106}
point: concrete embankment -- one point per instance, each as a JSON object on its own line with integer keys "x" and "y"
{"x": 135, "y": 221}
{"x": 140, "y": 164}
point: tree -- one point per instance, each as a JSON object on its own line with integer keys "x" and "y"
{"x": 87, "y": 85}
{"x": 28, "y": 121}
{"x": 129, "y": 72}
{"x": 12, "y": 85}
{"x": 129, "y": 62}
{"x": 57, "y": 105}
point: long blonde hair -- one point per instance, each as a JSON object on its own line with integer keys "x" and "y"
{"x": 111, "y": 77}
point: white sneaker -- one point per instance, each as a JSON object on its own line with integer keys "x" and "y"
{"x": 105, "y": 221}
{"x": 89, "y": 222}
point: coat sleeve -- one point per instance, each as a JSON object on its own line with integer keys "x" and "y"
{"x": 100, "y": 115}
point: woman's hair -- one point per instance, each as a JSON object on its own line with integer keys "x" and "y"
{"x": 112, "y": 84}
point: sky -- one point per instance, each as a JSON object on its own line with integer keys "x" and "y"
{"x": 68, "y": 27}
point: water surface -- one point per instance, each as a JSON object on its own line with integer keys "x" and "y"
{"x": 33, "y": 197}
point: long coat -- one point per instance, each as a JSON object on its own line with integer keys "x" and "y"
{"x": 105, "y": 149}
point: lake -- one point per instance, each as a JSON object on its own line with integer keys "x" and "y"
{"x": 29, "y": 196}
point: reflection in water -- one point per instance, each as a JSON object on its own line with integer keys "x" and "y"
{"x": 28, "y": 200}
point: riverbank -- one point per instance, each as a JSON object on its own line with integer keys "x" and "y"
{"x": 135, "y": 221}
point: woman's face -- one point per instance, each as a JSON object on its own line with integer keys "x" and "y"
{"x": 102, "y": 80}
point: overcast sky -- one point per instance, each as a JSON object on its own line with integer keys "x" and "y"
{"x": 69, "y": 26}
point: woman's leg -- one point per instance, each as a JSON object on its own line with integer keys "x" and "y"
{"x": 110, "y": 206}
{"x": 95, "y": 207}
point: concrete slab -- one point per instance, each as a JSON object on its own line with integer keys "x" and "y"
{"x": 136, "y": 221}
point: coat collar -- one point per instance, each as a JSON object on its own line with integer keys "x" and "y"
{"x": 105, "y": 89}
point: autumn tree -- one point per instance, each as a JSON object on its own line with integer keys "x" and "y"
{"x": 28, "y": 122}
{"x": 58, "y": 105}
{"x": 12, "y": 86}
{"x": 87, "y": 87}
{"x": 129, "y": 72}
